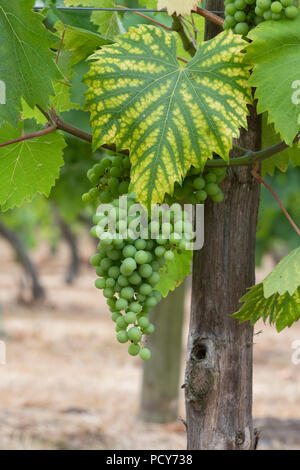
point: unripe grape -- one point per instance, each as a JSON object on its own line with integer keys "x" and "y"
{"x": 121, "y": 304}
{"x": 154, "y": 279}
{"x": 121, "y": 323}
{"x": 291, "y": 12}
{"x": 145, "y": 289}
{"x": 123, "y": 281}
{"x": 134, "y": 334}
{"x": 239, "y": 17}
{"x": 110, "y": 282}
{"x": 95, "y": 260}
{"x": 129, "y": 251}
{"x": 141, "y": 257}
{"x": 140, "y": 244}
{"x": 130, "y": 317}
{"x": 276, "y": 7}
{"x": 113, "y": 272}
{"x": 135, "y": 279}
{"x": 122, "y": 336}
{"x": 127, "y": 293}
{"x": 169, "y": 255}
{"x": 145, "y": 270}
{"x": 100, "y": 283}
{"x": 212, "y": 188}
{"x": 149, "y": 330}
{"x": 108, "y": 293}
{"x": 159, "y": 251}
{"x": 128, "y": 266}
{"x": 115, "y": 316}
{"x": 151, "y": 301}
{"x": 145, "y": 354}
{"x": 135, "y": 307}
{"x": 133, "y": 349}
{"x": 243, "y": 29}
{"x": 143, "y": 322}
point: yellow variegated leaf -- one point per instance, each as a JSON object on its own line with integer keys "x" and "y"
{"x": 177, "y": 6}
{"x": 169, "y": 116}
{"x": 282, "y": 310}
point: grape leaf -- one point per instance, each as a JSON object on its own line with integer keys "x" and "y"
{"x": 79, "y": 41}
{"x": 283, "y": 310}
{"x": 150, "y": 4}
{"x": 169, "y": 116}
{"x": 26, "y": 63}
{"x": 275, "y": 52}
{"x": 107, "y": 21}
{"x": 28, "y": 167}
{"x": 282, "y": 159}
{"x": 177, "y": 6}
{"x": 285, "y": 277}
{"x": 174, "y": 272}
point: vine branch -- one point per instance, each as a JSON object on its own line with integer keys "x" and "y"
{"x": 187, "y": 44}
{"x": 261, "y": 180}
{"x": 209, "y": 16}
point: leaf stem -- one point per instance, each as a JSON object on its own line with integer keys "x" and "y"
{"x": 209, "y": 16}
{"x": 261, "y": 180}
{"x": 187, "y": 44}
{"x": 45, "y": 131}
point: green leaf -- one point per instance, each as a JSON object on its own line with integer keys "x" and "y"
{"x": 169, "y": 116}
{"x": 107, "y": 21}
{"x": 282, "y": 159}
{"x": 26, "y": 63}
{"x": 28, "y": 167}
{"x": 174, "y": 272}
{"x": 80, "y": 42}
{"x": 285, "y": 277}
{"x": 282, "y": 310}
{"x": 275, "y": 52}
{"x": 150, "y": 4}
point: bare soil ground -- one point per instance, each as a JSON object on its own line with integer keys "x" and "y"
{"x": 68, "y": 384}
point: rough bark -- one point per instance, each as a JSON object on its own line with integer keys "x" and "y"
{"x": 219, "y": 360}
{"x": 161, "y": 375}
{"x": 24, "y": 259}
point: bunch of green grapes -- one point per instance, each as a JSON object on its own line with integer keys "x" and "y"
{"x": 197, "y": 186}
{"x": 110, "y": 178}
{"x": 243, "y": 15}
{"x": 276, "y": 10}
{"x": 128, "y": 270}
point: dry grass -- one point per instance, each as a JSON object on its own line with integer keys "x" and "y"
{"x": 69, "y": 385}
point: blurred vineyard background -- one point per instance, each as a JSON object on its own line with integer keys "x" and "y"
{"x": 67, "y": 383}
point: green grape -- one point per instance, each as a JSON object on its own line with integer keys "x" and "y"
{"x": 128, "y": 266}
{"x": 145, "y": 289}
{"x": 110, "y": 282}
{"x": 276, "y": 16}
{"x": 115, "y": 316}
{"x": 129, "y": 251}
{"x": 243, "y": 29}
{"x": 141, "y": 257}
{"x": 239, "y": 17}
{"x": 230, "y": 9}
{"x": 286, "y": 3}
{"x": 291, "y": 12}
{"x": 108, "y": 293}
{"x": 95, "y": 260}
{"x": 123, "y": 281}
{"x": 106, "y": 263}
{"x": 99, "y": 271}
{"x": 259, "y": 11}
{"x": 145, "y": 270}
{"x": 135, "y": 307}
{"x": 100, "y": 283}
{"x": 114, "y": 272}
{"x": 135, "y": 279}
{"x": 140, "y": 244}
{"x": 201, "y": 195}
{"x": 145, "y": 354}
{"x": 122, "y": 336}
{"x": 133, "y": 349}
{"x": 212, "y": 188}
{"x": 154, "y": 279}
{"x": 149, "y": 330}
{"x": 267, "y": 15}
{"x": 121, "y": 304}
{"x": 130, "y": 317}
{"x": 159, "y": 251}
{"x": 105, "y": 197}
{"x": 134, "y": 334}
{"x": 143, "y": 322}
{"x": 127, "y": 293}
{"x": 151, "y": 301}
{"x": 276, "y": 7}
{"x": 263, "y": 4}
{"x": 240, "y": 4}
{"x": 123, "y": 187}
{"x": 121, "y": 323}
{"x": 230, "y": 22}
{"x": 219, "y": 197}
